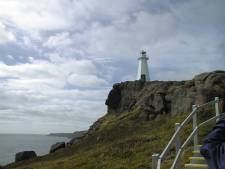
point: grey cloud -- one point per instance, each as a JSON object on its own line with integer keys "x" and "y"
{"x": 65, "y": 61}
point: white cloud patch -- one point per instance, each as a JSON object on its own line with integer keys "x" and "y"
{"x": 60, "y": 40}
{"x": 5, "y": 36}
{"x": 59, "y": 73}
{"x": 123, "y": 40}
{"x": 28, "y": 14}
{"x": 86, "y": 81}
{"x": 38, "y": 91}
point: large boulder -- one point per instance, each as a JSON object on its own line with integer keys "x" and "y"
{"x": 57, "y": 146}
{"x": 159, "y": 97}
{"x": 25, "y": 155}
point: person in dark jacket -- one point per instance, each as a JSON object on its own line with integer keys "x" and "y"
{"x": 213, "y": 149}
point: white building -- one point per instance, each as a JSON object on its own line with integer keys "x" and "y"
{"x": 143, "y": 72}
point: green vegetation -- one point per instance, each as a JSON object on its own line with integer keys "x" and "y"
{"x": 121, "y": 142}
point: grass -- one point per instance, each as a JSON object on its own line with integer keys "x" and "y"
{"x": 121, "y": 142}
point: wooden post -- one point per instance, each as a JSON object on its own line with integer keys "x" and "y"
{"x": 217, "y": 109}
{"x": 155, "y": 158}
{"x": 177, "y": 144}
{"x": 194, "y": 108}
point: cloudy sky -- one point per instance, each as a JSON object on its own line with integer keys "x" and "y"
{"x": 59, "y": 58}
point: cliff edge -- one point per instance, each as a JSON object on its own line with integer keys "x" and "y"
{"x": 162, "y": 97}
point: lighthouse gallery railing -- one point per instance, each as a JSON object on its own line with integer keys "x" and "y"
{"x": 157, "y": 158}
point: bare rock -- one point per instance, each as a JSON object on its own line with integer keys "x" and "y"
{"x": 160, "y": 97}
{"x": 25, "y": 155}
{"x": 77, "y": 136}
{"x": 114, "y": 97}
{"x": 57, "y": 146}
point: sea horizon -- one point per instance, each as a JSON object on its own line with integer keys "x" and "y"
{"x": 10, "y": 144}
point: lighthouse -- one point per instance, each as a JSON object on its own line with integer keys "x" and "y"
{"x": 143, "y": 73}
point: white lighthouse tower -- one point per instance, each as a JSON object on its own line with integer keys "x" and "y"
{"x": 143, "y": 73}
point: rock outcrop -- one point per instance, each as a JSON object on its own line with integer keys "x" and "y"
{"x": 76, "y": 136}
{"x": 159, "y": 97}
{"x": 25, "y": 155}
{"x": 57, "y": 146}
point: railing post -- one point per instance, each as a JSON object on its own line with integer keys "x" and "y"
{"x": 217, "y": 109}
{"x": 194, "y": 108}
{"x": 177, "y": 144}
{"x": 155, "y": 158}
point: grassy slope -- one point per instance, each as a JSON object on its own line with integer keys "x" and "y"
{"x": 121, "y": 142}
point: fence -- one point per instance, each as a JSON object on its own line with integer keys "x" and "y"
{"x": 157, "y": 159}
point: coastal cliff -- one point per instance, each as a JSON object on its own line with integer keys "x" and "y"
{"x": 156, "y": 98}
{"x": 159, "y": 97}
{"x": 139, "y": 121}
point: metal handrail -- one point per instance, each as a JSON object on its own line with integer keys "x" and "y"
{"x": 191, "y": 136}
{"x": 157, "y": 159}
{"x": 206, "y": 104}
{"x": 176, "y": 134}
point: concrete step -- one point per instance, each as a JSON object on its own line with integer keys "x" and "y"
{"x": 197, "y": 147}
{"x": 196, "y": 153}
{"x": 197, "y": 160}
{"x": 196, "y": 166}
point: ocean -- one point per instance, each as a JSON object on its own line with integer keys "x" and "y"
{"x": 10, "y": 144}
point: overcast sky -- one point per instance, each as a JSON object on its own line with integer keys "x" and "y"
{"x": 59, "y": 58}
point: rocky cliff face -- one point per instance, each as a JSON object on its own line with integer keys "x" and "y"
{"x": 159, "y": 97}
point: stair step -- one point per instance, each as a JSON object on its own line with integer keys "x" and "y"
{"x": 197, "y": 160}
{"x": 196, "y": 153}
{"x": 197, "y": 147}
{"x": 196, "y": 166}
